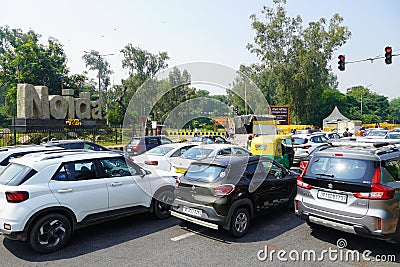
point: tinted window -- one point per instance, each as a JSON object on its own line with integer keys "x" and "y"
{"x": 240, "y": 151}
{"x": 205, "y": 173}
{"x": 391, "y": 171}
{"x": 75, "y": 171}
{"x": 225, "y": 151}
{"x": 219, "y": 139}
{"x": 152, "y": 141}
{"x": 180, "y": 151}
{"x": 116, "y": 167}
{"x": 15, "y": 174}
{"x": 72, "y": 145}
{"x": 196, "y": 153}
{"x": 95, "y": 147}
{"x": 344, "y": 169}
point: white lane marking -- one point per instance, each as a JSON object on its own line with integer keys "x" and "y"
{"x": 180, "y": 237}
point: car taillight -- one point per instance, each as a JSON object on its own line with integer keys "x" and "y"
{"x": 16, "y": 196}
{"x": 151, "y": 162}
{"x": 300, "y": 182}
{"x": 378, "y": 191}
{"x": 303, "y": 164}
{"x": 223, "y": 190}
{"x": 177, "y": 182}
{"x": 136, "y": 147}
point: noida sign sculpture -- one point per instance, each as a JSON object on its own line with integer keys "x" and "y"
{"x": 36, "y": 108}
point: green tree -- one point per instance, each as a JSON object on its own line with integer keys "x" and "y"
{"x": 97, "y": 62}
{"x": 296, "y": 58}
{"x": 23, "y": 59}
{"x": 394, "y": 109}
{"x": 367, "y": 106}
{"x": 141, "y": 65}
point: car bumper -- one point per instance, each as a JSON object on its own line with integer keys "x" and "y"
{"x": 209, "y": 217}
{"x": 357, "y": 229}
{"x": 14, "y": 235}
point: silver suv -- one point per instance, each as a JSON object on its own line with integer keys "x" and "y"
{"x": 352, "y": 187}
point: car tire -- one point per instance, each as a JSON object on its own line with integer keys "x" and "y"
{"x": 162, "y": 204}
{"x": 50, "y": 233}
{"x": 240, "y": 222}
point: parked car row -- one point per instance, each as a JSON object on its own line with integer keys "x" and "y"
{"x": 47, "y": 192}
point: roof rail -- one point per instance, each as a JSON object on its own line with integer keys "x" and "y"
{"x": 376, "y": 144}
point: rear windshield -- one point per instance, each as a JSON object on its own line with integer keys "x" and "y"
{"x": 342, "y": 169}
{"x": 299, "y": 141}
{"x": 135, "y": 141}
{"x": 159, "y": 151}
{"x": 205, "y": 173}
{"x": 15, "y": 174}
{"x": 196, "y": 153}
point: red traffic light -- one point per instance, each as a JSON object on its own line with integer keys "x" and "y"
{"x": 388, "y": 55}
{"x": 341, "y": 62}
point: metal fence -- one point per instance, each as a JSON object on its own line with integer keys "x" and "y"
{"x": 103, "y": 136}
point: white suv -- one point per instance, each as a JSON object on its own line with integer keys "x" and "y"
{"x": 45, "y": 196}
{"x": 304, "y": 144}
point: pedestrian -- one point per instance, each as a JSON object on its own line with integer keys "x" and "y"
{"x": 346, "y": 133}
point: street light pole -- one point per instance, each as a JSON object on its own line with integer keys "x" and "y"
{"x": 100, "y": 66}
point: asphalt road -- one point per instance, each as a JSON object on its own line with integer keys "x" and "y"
{"x": 142, "y": 240}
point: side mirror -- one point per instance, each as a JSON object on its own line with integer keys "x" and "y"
{"x": 144, "y": 173}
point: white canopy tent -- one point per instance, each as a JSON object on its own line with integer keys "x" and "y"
{"x": 334, "y": 118}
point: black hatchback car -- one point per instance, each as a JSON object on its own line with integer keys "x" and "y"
{"x": 140, "y": 144}
{"x": 226, "y": 192}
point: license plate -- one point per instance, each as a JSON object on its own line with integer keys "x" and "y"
{"x": 192, "y": 211}
{"x": 180, "y": 170}
{"x": 332, "y": 196}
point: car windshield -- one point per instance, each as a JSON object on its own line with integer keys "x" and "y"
{"x": 159, "y": 151}
{"x": 342, "y": 169}
{"x": 392, "y": 136}
{"x": 205, "y": 173}
{"x": 13, "y": 174}
{"x": 376, "y": 133}
{"x": 196, "y": 153}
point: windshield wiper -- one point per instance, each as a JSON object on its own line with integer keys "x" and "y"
{"x": 325, "y": 174}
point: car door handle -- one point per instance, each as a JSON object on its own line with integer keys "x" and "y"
{"x": 116, "y": 184}
{"x": 65, "y": 190}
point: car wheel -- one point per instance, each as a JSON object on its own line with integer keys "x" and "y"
{"x": 50, "y": 233}
{"x": 162, "y": 204}
{"x": 240, "y": 222}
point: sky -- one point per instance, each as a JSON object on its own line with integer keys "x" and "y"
{"x": 209, "y": 31}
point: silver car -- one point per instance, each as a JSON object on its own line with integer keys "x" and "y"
{"x": 353, "y": 188}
